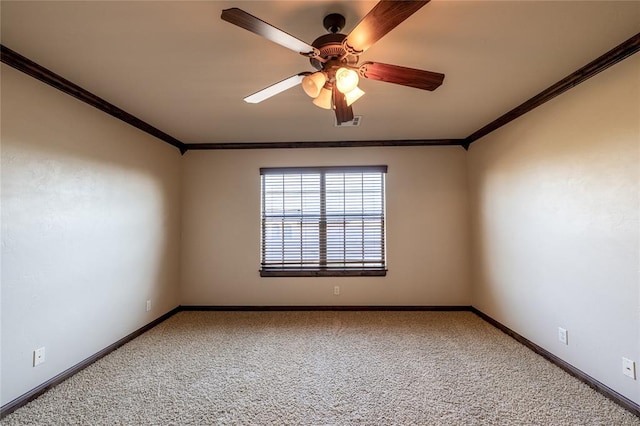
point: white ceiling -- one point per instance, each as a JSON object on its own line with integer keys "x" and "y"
{"x": 179, "y": 67}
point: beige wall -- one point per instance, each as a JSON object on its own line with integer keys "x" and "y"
{"x": 90, "y": 230}
{"x": 427, "y": 229}
{"x": 555, "y": 224}
{"x": 91, "y": 226}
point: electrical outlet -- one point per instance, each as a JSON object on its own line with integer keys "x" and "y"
{"x": 563, "y": 335}
{"x": 148, "y": 305}
{"x": 38, "y": 356}
{"x": 629, "y": 368}
{"x": 336, "y": 290}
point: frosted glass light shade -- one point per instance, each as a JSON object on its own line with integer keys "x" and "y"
{"x": 353, "y": 95}
{"x": 324, "y": 99}
{"x": 346, "y": 80}
{"x": 312, "y": 84}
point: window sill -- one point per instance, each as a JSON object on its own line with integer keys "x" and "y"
{"x": 323, "y": 273}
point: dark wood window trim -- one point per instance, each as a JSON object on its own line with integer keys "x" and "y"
{"x": 323, "y": 273}
{"x": 319, "y": 243}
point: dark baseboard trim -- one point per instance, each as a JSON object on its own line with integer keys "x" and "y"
{"x": 10, "y": 407}
{"x": 580, "y": 375}
{"x": 323, "y": 308}
{"x": 619, "y": 399}
{"x": 34, "y": 393}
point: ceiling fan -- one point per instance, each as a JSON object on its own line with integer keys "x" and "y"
{"x": 335, "y": 57}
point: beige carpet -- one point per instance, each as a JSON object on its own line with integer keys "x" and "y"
{"x": 322, "y": 368}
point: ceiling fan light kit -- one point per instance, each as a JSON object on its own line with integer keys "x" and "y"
{"x": 353, "y": 95}
{"x": 335, "y": 56}
{"x": 323, "y": 100}
{"x": 346, "y": 80}
{"x": 312, "y": 84}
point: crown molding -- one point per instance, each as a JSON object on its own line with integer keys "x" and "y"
{"x": 612, "y": 57}
{"x": 615, "y": 55}
{"x": 37, "y": 71}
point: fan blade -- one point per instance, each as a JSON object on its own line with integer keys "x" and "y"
{"x": 344, "y": 113}
{"x": 385, "y": 16}
{"x": 249, "y": 22}
{"x": 420, "y": 79}
{"x": 274, "y": 89}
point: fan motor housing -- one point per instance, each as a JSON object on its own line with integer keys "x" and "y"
{"x": 330, "y": 47}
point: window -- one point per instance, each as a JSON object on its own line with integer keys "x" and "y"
{"x": 323, "y": 221}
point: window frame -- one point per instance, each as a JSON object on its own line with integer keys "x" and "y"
{"x": 319, "y": 270}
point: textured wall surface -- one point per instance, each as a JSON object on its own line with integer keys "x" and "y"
{"x": 427, "y": 229}
{"x": 90, "y": 230}
{"x": 555, "y": 220}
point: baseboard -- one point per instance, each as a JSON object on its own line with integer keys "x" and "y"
{"x": 10, "y": 407}
{"x": 39, "y": 390}
{"x": 578, "y": 374}
{"x": 325, "y": 308}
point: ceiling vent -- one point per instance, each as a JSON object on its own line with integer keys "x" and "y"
{"x": 353, "y": 123}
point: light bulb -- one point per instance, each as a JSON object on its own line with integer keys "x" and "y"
{"x": 353, "y": 95}
{"x": 346, "y": 80}
{"x": 312, "y": 84}
{"x": 324, "y": 99}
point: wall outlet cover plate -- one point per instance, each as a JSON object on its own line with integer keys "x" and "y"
{"x": 629, "y": 368}
{"x": 38, "y": 356}
{"x": 563, "y": 335}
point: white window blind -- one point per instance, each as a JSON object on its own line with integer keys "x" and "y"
{"x": 323, "y": 221}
